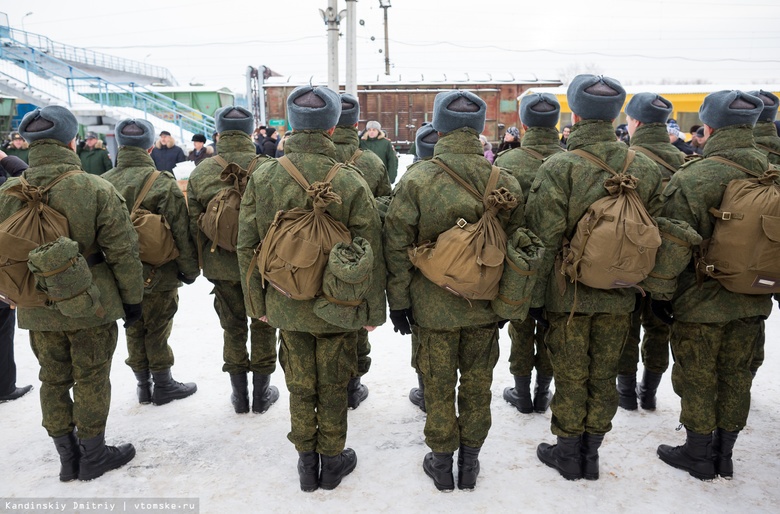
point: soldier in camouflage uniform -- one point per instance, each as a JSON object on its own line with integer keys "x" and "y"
{"x": 373, "y": 171}
{"x": 76, "y": 352}
{"x": 220, "y": 267}
{"x": 424, "y": 143}
{"x": 539, "y": 114}
{"x": 149, "y": 355}
{"x": 455, "y": 335}
{"x": 585, "y": 350}
{"x": 646, "y": 115}
{"x": 714, "y": 330}
{"x": 768, "y": 141}
{"x": 318, "y": 358}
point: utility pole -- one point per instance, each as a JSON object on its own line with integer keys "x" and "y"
{"x": 332, "y": 17}
{"x": 351, "y": 85}
{"x": 385, "y": 4}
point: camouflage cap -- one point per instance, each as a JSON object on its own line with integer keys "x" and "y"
{"x": 233, "y": 117}
{"x": 595, "y": 97}
{"x": 726, "y": 108}
{"x": 313, "y": 108}
{"x": 539, "y": 110}
{"x": 350, "y": 111}
{"x": 425, "y": 140}
{"x": 133, "y": 132}
{"x": 770, "y": 104}
{"x": 51, "y": 122}
{"x": 649, "y": 108}
{"x": 458, "y": 109}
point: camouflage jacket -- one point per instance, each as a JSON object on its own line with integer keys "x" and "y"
{"x": 99, "y": 221}
{"x": 522, "y": 164}
{"x": 427, "y": 202}
{"x": 370, "y": 166}
{"x": 203, "y": 184}
{"x": 655, "y": 138}
{"x": 565, "y": 187}
{"x": 133, "y": 168}
{"x": 688, "y": 197}
{"x": 765, "y": 134}
{"x": 272, "y": 189}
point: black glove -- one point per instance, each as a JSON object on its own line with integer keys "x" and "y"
{"x": 184, "y": 278}
{"x": 132, "y": 313}
{"x": 662, "y": 310}
{"x": 537, "y": 313}
{"x": 502, "y": 323}
{"x": 402, "y": 321}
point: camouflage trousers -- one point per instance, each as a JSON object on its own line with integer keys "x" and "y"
{"x": 363, "y": 349}
{"x": 585, "y": 354}
{"x": 655, "y": 342}
{"x": 78, "y": 359}
{"x": 472, "y": 351}
{"x": 758, "y": 355}
{"x": 317, "y": 368}
{"x": 711, "y": 372}
{"x": 229, "y": 304}
{"x": 147, "y": 339}
{"x": 526, "y": 335}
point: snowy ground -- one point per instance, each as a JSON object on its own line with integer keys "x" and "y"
{"x": 199, "y": 448}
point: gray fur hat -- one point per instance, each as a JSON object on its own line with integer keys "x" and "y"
{"x": 132, "y": 132}
{"x": 232, "y": 117}
{"x": 457, "y": 109}
{"x": 595, "y": 97}
{"x": 313, "y": 108}
{"x": 770, "y": 104}
{"x": 350, "y": 111}
{"x": 51, "y": 122}
{"x": 425, "y": 140}
{"x": 539, "y": 110}
{"x": 649, "y": 108}
{"x": 725, "y": 108}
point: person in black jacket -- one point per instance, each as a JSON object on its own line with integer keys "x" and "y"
{"x": 270, "y": 141}
{"x": 10, "y": 166}
{"x": 165, "y": 154}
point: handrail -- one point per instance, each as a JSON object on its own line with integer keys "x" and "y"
{"x": 90, "y": 57}
{"x": 108, "y": 93}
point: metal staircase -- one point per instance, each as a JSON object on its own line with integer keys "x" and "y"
{"x": 42, "y": 78}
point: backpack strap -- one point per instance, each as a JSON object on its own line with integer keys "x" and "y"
{"x": 655, "y": 157}
{"x": 603, "y": 165}
{"x": 288, "y": 165}
{"x": 145, "y": 190}
{"x": 768, "y": 149}
{"x": 533, "y": 153}
{"x": 355, "y": 156}
{"x": 733, "y": 164}
{"x": 250, "y": 168}
{"x": 221, "y": 161}
{"x": 468, "y": 187}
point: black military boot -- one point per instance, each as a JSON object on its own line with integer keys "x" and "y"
{"x": 263, "y": 394}
{"x": 97, "y": 457}
{"x": 335, "y": 468}
{"x": 438, "y": 466}
{"x": 240, "y": 396}
{"x": 647, "y": 388}
{"x": 166, "y": 389}
{"x": 542, "y": 394}
{"x": 417, "y": 394}
{"x": 566, "y": 456}
{"x": 519, "y": 396}
{"x": 309, "y": 471}
{"x": 356, "y": 393}
{"x": 695, "y": 456}
{"x": 468, "y": 467}
{"x": 68, "y": 448}
{"x": 722, "y": 446}
{"x": 626, "y": 388}
{"x": 590, "y": 455}
{"x": 144, "y": 387}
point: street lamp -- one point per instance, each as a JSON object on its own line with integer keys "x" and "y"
{"x": 385, "y": 4}
{"x": 24, "y": 29}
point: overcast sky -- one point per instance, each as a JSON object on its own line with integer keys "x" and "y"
{"x": 636, "y": 41}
